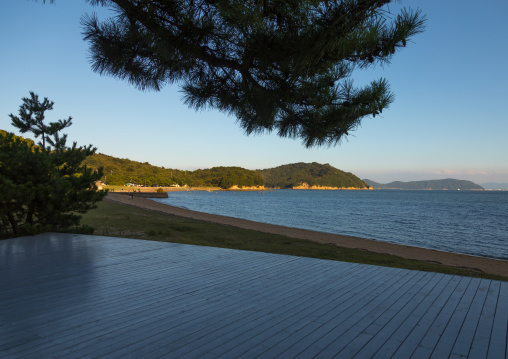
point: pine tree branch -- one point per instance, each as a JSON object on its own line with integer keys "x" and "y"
{"x": 273, "y": 64}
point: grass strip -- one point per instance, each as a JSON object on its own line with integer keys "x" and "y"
{"x": 117, "y": 220}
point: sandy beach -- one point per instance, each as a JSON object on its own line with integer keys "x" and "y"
{"x": 486, "y": 265}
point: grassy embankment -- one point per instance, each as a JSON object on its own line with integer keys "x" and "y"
{"x": 116, "y": 220}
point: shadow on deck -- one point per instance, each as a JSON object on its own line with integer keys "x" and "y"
{"x": 65, "y": 295}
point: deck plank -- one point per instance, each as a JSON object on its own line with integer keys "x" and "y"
{"x": 342, "y": 319}
{"x": 377, "y": 334}
{"x": 138, "y": 316}
{"x": 499, "y": 338}
{"x": 74, "y": 296}
{"x": 305, "y": 310}
{"x": 443, "y": 346}
{"x": 351, "y": 341}
{"x": 401, "y": 335}
{"x": 269, "y": 302}
{"x": 410, "y": 343}
{"x": 228, "y": 308}
{"x": 469, "y": 327}
{"x": 485, "y": 322}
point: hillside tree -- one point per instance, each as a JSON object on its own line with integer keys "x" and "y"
{"x": 283, "y": 66}
{"x": 44, "y": 186}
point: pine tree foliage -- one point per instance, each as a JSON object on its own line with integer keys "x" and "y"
{"x": 283, "y": 66}
{"x": 31, "y": 117}
{"x": 43, "y": 187}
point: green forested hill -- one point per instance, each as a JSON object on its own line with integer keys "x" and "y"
{"x": 314, "y": 174}
{"x": 444, "y": 184}
{"x": 119, "y": 171}
{"x": 226, "y": 177}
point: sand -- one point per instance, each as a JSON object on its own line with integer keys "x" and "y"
{"x": 486, "y": 265}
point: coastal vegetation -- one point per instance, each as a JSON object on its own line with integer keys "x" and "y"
{"x": 119, "y": 171}
{"x": 117, "y": 220}
{"x": 444, "y": 184}
{"x": 44, "y": 186}
{"x": 122, "y": 171}
{"x": 227, "y": 177}
{"x": 310, "y": 175}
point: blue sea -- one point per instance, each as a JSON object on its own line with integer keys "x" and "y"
{"x": 470, "y": 222}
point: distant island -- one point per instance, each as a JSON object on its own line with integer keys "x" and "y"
{"x": 120, "y": 171}
{"x": 443, "y": 184}
{"x": 310, "y": 176}
{"x": 495, "y": 186}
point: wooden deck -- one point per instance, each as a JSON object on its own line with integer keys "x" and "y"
{"x": 75, "y": 296}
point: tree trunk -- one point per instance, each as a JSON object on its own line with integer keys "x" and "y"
{"x": 14, "y": 224}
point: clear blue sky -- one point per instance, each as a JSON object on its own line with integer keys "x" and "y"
{"x": 449, "y": 118}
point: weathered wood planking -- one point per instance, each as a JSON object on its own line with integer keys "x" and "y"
{"x": 73, "y": 296}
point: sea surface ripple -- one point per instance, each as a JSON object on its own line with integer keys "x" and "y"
{"x": 469, "y": 222}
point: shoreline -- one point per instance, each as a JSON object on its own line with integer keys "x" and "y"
{"x": 234, "y": 188}
{"x": 482, "y": 264}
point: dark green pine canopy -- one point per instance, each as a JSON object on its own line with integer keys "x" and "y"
{"x": 44, "y": 187}
{"x": 282, "y": 66}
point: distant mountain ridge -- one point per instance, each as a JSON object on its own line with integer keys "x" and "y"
{"x": 310, "y": 175}
{"x": 443, "y": 184}
{"x": 495, "y": 186}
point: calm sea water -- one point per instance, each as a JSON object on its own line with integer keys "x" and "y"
{"x": 469, "y": 222}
